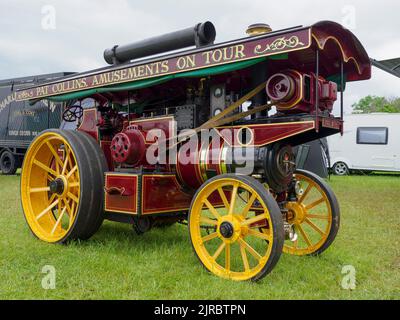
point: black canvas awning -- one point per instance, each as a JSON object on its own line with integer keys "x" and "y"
{"x": 391, "y": 66}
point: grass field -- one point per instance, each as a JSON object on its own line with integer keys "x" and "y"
{"x": 118, "y": 264}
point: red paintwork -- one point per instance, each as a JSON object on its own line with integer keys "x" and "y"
{"x": 332, "y": 123}
{"x": 264, "y": 134}
{"x": 153, "y": 130}
{"x": 105, "y": 146}
{"x": 129, "y": 146}
{"x": 162, "y": 193}
{"x": 338, "y": 43}
{"x": 89, "y": 123}
{"x": 213, "y": 156}
{"x": 121, "y": 193}
{"x": 193, "y": 171}
{"x": 192, "y": 168}
{"x": 159, "y": 193}
{"x": 291, "y": 94}
{"x": 165, "y": 124}
{"x": 188, "y": 170}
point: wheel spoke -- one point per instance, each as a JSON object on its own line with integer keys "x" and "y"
{"x": 255, "y": 219}
{"x": 45, "y": 168}
{"x": 66, "y": 161}
{"x": 72, "y": 171}
{"x": 73, "y": 197}
{"x": 244, "y": 257}
{"x": 223, "y": 197}
{"x": 250, "y": 249}
{"x": 59, "y": 207}
{"x": 52, "y": 201}
{"x": 228, "y": 257}
{"x": 219, "y": 250}
{"x": 208, "y": 221}
{"x": 47, "y": 209}
{"x": 69, "y": 211}
{"x": 53, "y": 196}
{"x": 209, "y": 237}
{"x": 259, "y": 235}
{"x": 248, "y": 205}
{"x": 233, "y": 230}
{"x": 212, "y": 209}
{"x": 58, "y": 221}
{"x": 36, "y": 190}
{"x": 233, "y": 199}
{"x": 304, "y": 195}
{"x": 317, "y": 216}
{"x": 315, "y": 203}
{"x": 56, "y": 156}
{"x": 304, "y": 235}
{"x": 316, "y": 228}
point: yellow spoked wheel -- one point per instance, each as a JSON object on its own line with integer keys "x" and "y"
{"x": 315, "y": 216}
{"x": 225, "y": 216}
{"x": 57, "y": 199}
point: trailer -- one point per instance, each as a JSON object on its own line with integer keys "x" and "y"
{"x": 370, "y": 142}
{"x": 190, "y": 136}
{"x": 21, "y": 121}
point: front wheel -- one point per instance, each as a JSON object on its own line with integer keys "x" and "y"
{"x": 62, "y": 183}
{"x": 315, "y": 215}
{"x": 224, "y": 221}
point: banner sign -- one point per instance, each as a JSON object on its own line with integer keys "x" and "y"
{"x": 213, "y": 56}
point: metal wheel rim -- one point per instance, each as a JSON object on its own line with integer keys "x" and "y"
{"x": 245, "y": 217}
{"x": 340, "y": 169}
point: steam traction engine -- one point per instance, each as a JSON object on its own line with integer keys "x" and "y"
{"x": 202, "y": 136}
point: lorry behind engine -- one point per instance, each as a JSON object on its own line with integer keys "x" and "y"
{"x": 20, "y": 121}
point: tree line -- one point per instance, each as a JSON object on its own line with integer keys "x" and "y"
{"x": 370, "y": 104}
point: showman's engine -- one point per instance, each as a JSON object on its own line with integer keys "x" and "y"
{"x": 205, "y": 136}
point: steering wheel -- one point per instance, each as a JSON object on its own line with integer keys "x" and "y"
{"x": 71, "y": 114}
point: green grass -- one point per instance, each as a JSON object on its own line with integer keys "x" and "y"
{"x": 118, "y": 264}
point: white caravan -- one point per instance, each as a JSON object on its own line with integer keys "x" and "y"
{"x": 371, "y": 142}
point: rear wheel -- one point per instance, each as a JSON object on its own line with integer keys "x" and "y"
{"x": 315, "y": 216}
{"x": 225, "y": 216}
{"x": 8, "y": 163}
{"x": 62, "y": 183}
{"x": 340, "y": 169}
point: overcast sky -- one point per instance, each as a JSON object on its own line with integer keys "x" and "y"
{"x": 34, "y": 41}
